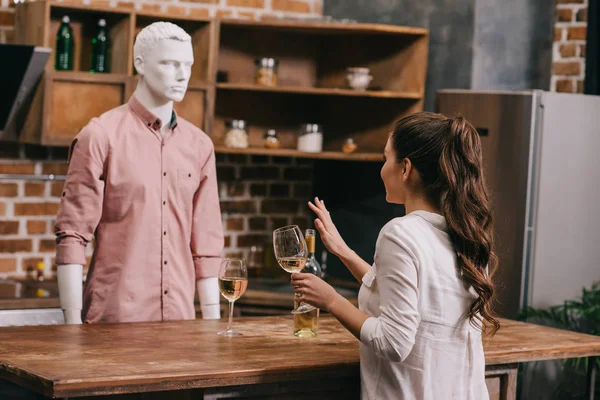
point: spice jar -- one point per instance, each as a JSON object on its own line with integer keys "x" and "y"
{"x": 270, "y": 140}
{"x": 311, "y": 138}
{"x": 266, "y": 71}
{"x": 349, "y": 146}
{"x": 236, "y": 136}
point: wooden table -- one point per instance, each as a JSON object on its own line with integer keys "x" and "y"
{"x": 189, "y": 360}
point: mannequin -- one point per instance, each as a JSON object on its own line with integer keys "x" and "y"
{"x": 164, "y": 66}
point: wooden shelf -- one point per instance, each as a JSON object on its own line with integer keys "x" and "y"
{"x": 324, "y": 155}
{"x": 88, "y": 77}
{"x": 384, "y": 94}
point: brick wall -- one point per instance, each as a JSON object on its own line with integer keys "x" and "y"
{"x": 257, "y": 193}
{"x": 273, "y": 191}
{"x": 568, "y": 58}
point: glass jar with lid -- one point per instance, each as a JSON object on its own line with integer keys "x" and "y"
{"x": 311, "y": 138}
{"x": 266, "y": 71}
{"x": 270, "y": 140}
{"x": 236, "y": 136}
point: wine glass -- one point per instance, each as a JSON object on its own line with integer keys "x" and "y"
{"x": 233, "y": 281}
{"x": 291, "y": 254}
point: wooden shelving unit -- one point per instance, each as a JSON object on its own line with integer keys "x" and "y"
{"x": 313, "y": 58}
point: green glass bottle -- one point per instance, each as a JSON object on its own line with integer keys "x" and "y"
{"x": 64, "y": 46}
{"x": 100, "y": 49}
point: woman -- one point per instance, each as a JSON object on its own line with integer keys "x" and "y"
{"x": 424, "y": 301}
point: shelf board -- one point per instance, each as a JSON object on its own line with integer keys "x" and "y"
{"x": 383, "y": 94}
{"x": 88, "y": 77}
{"x": 324, "y": 155}
{"x": 327, "y": 27}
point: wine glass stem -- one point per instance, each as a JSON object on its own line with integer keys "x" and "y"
{"x": 230, "y": 323}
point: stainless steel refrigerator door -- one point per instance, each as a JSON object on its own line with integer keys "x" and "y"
{"x": 504, "y": 120}
{"x": 566, "y": 224}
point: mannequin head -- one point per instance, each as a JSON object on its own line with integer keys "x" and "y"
{"x": 163, "y": 58}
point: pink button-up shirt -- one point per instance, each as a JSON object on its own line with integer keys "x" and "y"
{"x": 153, "y": 206}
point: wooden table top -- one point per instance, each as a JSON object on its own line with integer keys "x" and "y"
{"x": 77, "y": 360}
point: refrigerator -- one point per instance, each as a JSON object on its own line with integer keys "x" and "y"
{"x": 541, "y": 154}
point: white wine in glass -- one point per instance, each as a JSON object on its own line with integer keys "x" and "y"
{"x": 233, "y": 281}
{"x": 291, "y": 254}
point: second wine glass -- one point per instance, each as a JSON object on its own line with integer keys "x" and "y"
{"x": 233, "y": 281}
{"x": 291, "y": 254}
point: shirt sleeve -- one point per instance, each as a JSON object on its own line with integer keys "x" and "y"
{"x": 83, "y": 193}
{"x": 207, "y": 229}
{"x": 392, "y": 334}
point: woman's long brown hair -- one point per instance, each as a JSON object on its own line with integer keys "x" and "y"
{"x": 447, "y": 155}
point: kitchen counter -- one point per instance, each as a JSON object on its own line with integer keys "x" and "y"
{"x": 187, "y": 359}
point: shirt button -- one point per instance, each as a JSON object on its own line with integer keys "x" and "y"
{"x": 149, "y": 124}
{"x": 165, "y": 263}
{"x": 189, "y": 175}
{"x": 165, "y": 233}
{"x": 164, "y": 174}
{"x": 164, "y": 202}
{"x": 166, "y": 291}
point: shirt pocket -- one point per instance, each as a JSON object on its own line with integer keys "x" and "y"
{"x": 369, "y": 278}
{"x": 187, "y": 184}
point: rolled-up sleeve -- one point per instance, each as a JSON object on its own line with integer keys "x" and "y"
{"x": 81, "y": 202}
{"x": 207, "y": 229}
{"x": 392, "y": 334}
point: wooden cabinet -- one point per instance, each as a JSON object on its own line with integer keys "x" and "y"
{"x": 311, "y": 87}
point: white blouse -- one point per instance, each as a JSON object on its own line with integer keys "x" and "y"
{"x": 418, "y": 343}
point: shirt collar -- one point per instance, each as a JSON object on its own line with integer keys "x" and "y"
{"x": 437, "y": 220}
{"x": 147, "y": 117}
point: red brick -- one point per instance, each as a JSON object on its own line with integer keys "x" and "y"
{"x": 280, "y": 190}
{"x": 290, "y": 5}
{"x": 582, "y": 51}
{"x": 225, "y": 174}
{"x": 100, "y": 3}
{"x": 56, "y": 189}
{"x": 566, "y": 68}
{"x": 8, "y": 265}
{"x": 258, "y": 189}
{"x": 15, "y": 245}
{"x": 9, "y": 227}
{"x": 239, "y": 206}
{"x": 569, "y": 1}
{"x": 151, "y": 8}
{"x": 576, "y": 33}
{"x": 34, "y": 189}
{"x": 246, "y": 15}
{"x": 36, "y": 208}
{"x": 564, "y": 14}
{"x": 16, "y": 168}
{"x": 224, "y": 14}
{"x": 567, "y": 50}
{"x": 558, "y": 34}
{"x": 317, "y": 7}
{"x": 297, "y": 174}
{"x": 268, "y": 16}
{"x": 2, "y": 208}
{"x": 582, "y": 15}
{"x": 278, "y": 223}
{"x": 199, "y": 12}
{"x": 36, "y": 227}
{"x": 564, "y": 86}
{"x": 227, "y": 241}
{"x": 257, "y": 223}
{"x": 176, "y": 10}
{"x": 126, "y": 4}
{"x": 47, "y": 245}
{"x": 236, "y": 189}
{"x": 235, "y": 224}
{"x": 9, "y": 189}
{"x": 7, "y": 18}
{"x": 238, "y": 158}
{"x": 580, "y": 86}
{"x": 302, "y": 190}
{"x": 279, "y": 206}
{"x": 55, "y": 168}
{"x": 251, "y": 240}
{"x": 261, "y": 173}
{"x": 246, "y": 3}
{"x": 202, "y": 1}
